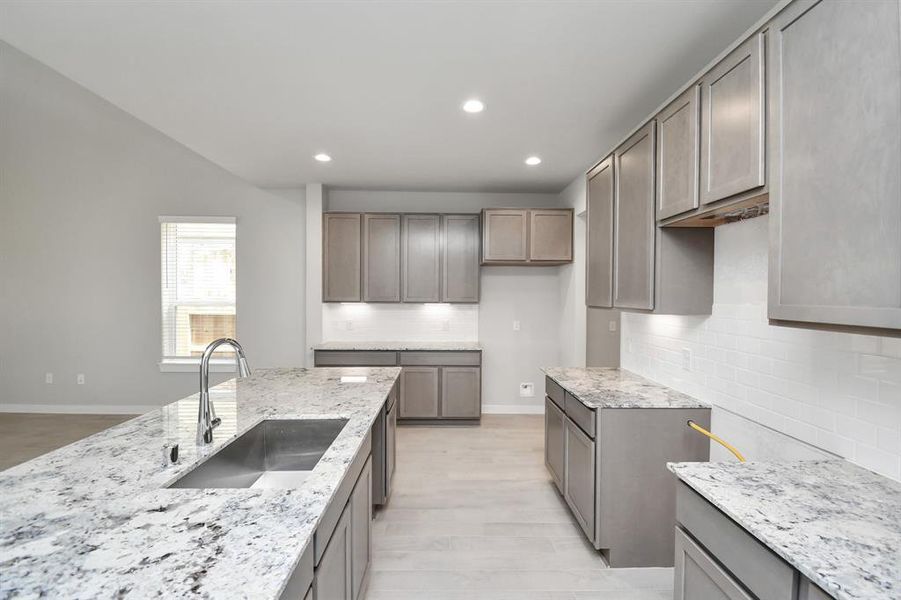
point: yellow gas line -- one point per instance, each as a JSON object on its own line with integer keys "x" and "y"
{"x": 717, "y": 439}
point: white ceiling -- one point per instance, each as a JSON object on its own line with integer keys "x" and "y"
{"x": 259, "y": 87}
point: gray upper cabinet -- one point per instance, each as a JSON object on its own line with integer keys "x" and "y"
{"x": 633, "y": 261}
{"x": 835, "y": 189}
{"x": 381, "y": 258}
{"x": 460, "y": 270}
{"x": 732, "y": 123}
{"x": 505, "y": 235}
{"x": 599, "y": 237}
{"x": 461, "y": 392}
{"x": 341, "y": 257}
{"x": 677, "y": 155}
{"x": 421, "y": 258}
{"x": 419, "y": 393}
{"x": 551, "y": 235}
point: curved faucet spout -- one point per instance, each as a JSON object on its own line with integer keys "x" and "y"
{"x": 206, "y": 414}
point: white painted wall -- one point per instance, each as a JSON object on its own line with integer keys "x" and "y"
{"x": 837, "y": 391}
{"x": 571, "y": 282}
{"x": 528, "y": 294}
{"x": 81, "y": 186}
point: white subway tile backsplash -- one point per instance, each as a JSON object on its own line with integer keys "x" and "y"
{"x": 838, "y": 391}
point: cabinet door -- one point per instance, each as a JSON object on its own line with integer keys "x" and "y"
{"x": 461, "y": 258}
{"x": 554, "y": 443}
{"x": 340, "y": 257}
{"x": 505, "y": 233}
{"x": 461, "y": 389}
{"x": 835, "y": 196}
{"x": 699, "y": 576}
{"x": 599, "y": 238}
{"x": 360, "y": 506}
{"x": 579, "y": 476}
{"x": 732, "y": 122}
{"x": 419, "y": 392}
{"x": 677, "y": 155}
{"x": 551, "y": 235}
{"x": 633, "y": 236}
{"x": 381, "y": 258}
{"x": 333, "y": 575}
{"x": 391, "y": 448}
{"x": 422, "y": 258}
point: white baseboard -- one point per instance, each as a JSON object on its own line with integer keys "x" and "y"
{"x": 78, "y": 409}
{"x": 512, "y": 409}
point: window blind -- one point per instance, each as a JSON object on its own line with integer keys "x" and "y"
{"x": 198, "y": 283}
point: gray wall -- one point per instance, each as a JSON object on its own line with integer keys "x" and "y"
{"x": 529, "y": 295}
{"x": 81, "y": 186}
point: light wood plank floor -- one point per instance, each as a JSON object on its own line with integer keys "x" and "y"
{"x": 24, "y": 436}
{"x": 474, "y": 515}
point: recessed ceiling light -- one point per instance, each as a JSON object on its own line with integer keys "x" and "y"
{"x": 533, "y": 160}
{"x": 323, "y": 157}
{"x": 473, "y": 106}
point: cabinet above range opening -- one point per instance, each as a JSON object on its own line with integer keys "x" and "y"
{"x": 527, "y": 236}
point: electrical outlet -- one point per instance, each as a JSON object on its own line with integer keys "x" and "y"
{"x": 48, "y": 378}
{"x": 349, "y": 325}
{"x": 445, "y": 325}
{"x": 515, "y": 325}
{"x": 79, "y": 379}
{"x": 526, "y": 389}
{"x": 686, "y": 359}
{"x": 612, "y": 326}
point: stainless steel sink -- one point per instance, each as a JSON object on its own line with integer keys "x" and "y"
{"x": 274, "y": 454}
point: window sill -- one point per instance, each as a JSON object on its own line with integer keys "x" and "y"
{"x": 192, "y": 365}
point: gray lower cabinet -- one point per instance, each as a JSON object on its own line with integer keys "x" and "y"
{"x": 698, "y": 576}
{"x": 384, "y": 450}
{"x": 634, "y": 229}
{"x": 421, "y": 258}
{"x": 360, "y": 506}
{"x": 599, "y": 237}
{"x": 461, "y": 389}
{"x": 381, "y": 258}
{"x": 579, "y": 476}
{"x": 610, "y": 464}
{"x": 460, "y": 266}
{"x": 419, "y": 393}
{"x": 333, "y": 573}
{"x": 554, "y": 442}
{"x": 341, "y": 262}
{"x": 678, "y": 147}
{"x": 732, "y": 123}
{"x": 309, "y": 594}
{"x": 433, "y": 385}
{"x": 835, "y": 147}
{"x": 716, "y": 558}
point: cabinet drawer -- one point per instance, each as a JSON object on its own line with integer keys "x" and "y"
{"x": 441, "y": 359}
{"x": 697, "y": 575}
{"x": 334, "y": 358}
{"x": 581, "y": 415}
{"x": 762, "y": 572}
{"x": 553, "y": 391}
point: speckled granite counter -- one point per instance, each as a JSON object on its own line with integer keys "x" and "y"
{"x": 597, "y": 387}
{"x": 410, "y": 346}
{"x": 94, "y": 519}
{"x": 836, "y": 523}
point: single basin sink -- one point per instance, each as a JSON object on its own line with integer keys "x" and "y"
{"x": 274, "y": 454}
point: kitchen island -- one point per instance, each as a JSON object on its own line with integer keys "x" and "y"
{"x": 96, "y": 518}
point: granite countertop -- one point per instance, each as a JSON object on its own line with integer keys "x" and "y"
{"x": 424, "y": 346}
{"x": 836, "y": 523}
{"x": 597, "y": 387}
{"x": 94, "y": 519}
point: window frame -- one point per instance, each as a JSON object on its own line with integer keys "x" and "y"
{"x": 191, "y": 364}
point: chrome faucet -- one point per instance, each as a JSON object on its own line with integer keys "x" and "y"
{"x": 206, "y": 414}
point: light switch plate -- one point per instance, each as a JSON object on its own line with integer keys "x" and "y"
{"x": 79, "y": 379}
{"x": 48, "y": 378}
{"x": 515, "y": 325}
{"x": 612, "y": 326}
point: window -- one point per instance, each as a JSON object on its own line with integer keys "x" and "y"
{"x": 198, "y": 284}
